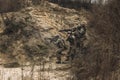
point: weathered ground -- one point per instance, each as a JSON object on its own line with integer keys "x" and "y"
{"x": 50, "y": 72}
{"x": 38, "y": 23}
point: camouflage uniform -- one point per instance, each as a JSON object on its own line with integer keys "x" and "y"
{"x": 79, "y": 34}
{"x": 71, "y": 53}
{"x": 61, "y": 47}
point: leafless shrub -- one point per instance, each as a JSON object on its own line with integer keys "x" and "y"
{"x": 102, "y": 59}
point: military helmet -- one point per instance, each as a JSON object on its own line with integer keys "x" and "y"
{"x": 80, "y": 26}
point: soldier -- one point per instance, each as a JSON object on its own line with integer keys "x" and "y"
{"x": 82, "y": 30}
{"x": 79, "y": 34}
{"x": 71, "y": 40}
{"x": 59, "y": 42}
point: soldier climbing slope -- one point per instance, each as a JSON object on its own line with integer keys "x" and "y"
{"x": 60, "y": 44}
{"x": 75, "y": 38}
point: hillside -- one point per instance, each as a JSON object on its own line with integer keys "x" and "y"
{"x": 24, "y": 42}
{"x": 31, "y": 40}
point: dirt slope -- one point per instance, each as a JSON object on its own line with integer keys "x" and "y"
{"x": 36, "y": 24}
{"x": 19, "y": 43}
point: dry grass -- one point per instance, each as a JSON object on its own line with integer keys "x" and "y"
{"x": 102, "y": 59}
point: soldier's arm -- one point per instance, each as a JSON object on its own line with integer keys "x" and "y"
{"x": 65, "y": 30}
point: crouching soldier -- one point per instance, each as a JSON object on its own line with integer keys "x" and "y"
{"x": 60, "y": 44}
{"x": 71, "y": 40}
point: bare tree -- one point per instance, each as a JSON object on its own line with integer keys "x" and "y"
{"x": 102, "y": 59}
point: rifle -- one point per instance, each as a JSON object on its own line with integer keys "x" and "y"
{"x": 65, "y": 30}
{"x": 52, "y": 39}
{"x": 68, "y": 30}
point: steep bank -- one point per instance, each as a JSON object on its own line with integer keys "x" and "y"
{"x": 29, "y": 28}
